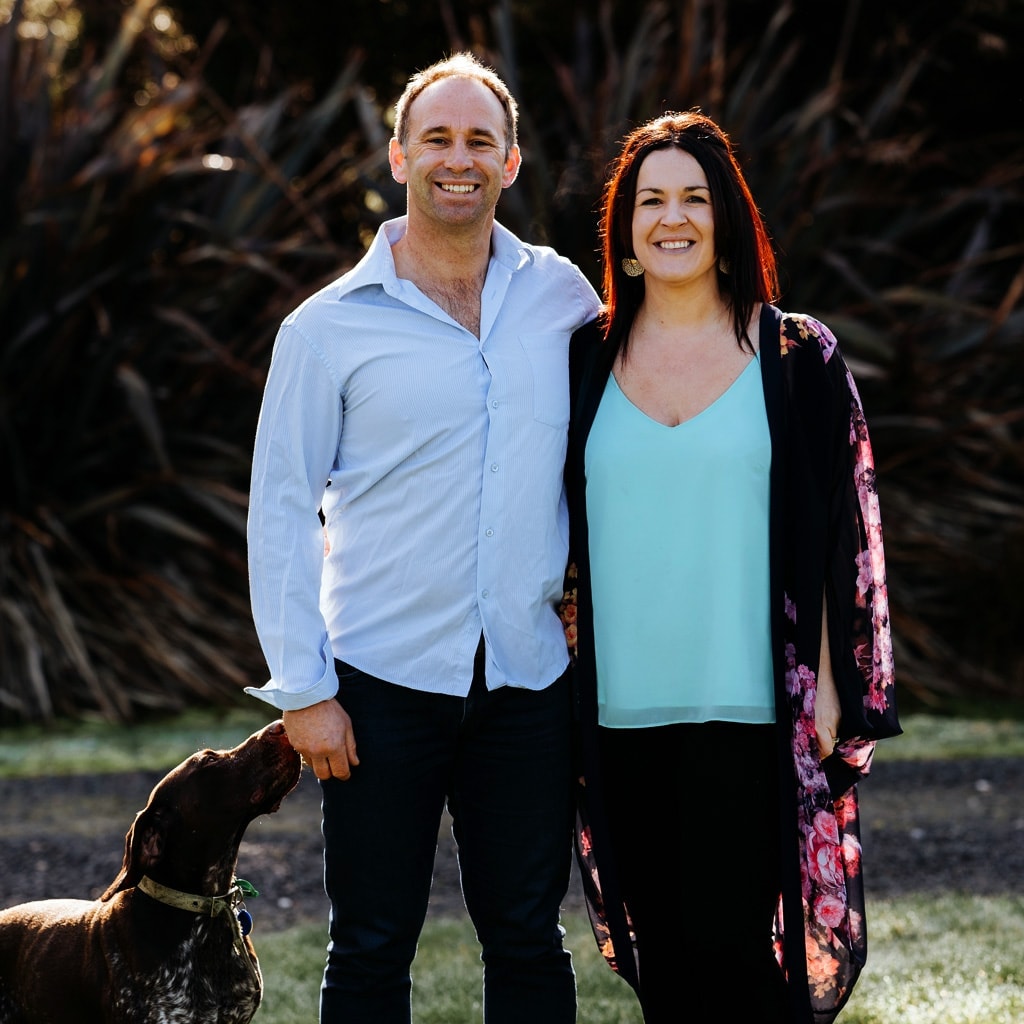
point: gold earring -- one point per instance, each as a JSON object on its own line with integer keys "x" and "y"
{"x": 631, "y": 267}
{"x": 725, "y": 265}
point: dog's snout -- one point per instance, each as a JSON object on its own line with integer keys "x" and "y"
{"x": 273, "y": 731}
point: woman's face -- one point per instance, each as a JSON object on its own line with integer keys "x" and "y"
{"x": 673, "y": 218}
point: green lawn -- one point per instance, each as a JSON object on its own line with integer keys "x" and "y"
{"x": 951, "y": 960}
{"x": 162, "y": 743}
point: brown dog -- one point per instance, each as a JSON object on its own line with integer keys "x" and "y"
{"x": 165, "y": 942}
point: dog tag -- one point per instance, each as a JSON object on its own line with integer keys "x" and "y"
{"x": 245, "y": 921}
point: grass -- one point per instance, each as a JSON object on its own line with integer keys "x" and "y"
{"x": 70, "y": 748}
{"x": 930, "y": 737}
{"x": 948, "y": 960}
{"x": 79, "y": 747}
{"x": 446, "y": 976}
{"x": 954, "y": 960}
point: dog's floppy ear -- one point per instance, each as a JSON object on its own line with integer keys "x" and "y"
{"x": 143, "y": 848}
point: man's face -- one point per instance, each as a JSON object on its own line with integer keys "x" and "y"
{"x": 454, "y": 163}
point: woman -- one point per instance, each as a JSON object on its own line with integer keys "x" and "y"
{"x": 734, "y": 663}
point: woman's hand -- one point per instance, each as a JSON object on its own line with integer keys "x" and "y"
{"x": 827, "y": 712}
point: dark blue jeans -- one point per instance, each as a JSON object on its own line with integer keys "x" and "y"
{"x": 501, "y": 760}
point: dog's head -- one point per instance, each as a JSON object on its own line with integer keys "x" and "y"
{"x": 188, "y": 834}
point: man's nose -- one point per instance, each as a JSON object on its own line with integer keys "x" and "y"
{"x": 459, "y": 156}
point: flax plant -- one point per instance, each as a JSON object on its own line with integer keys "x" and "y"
{"x": 153, "y": 233}
{"x": 152, "y": 239}
{"x": 895, "y": 195}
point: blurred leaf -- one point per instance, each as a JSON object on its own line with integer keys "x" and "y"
{"x": 164, "y": 204}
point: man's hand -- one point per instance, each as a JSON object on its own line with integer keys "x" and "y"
{"x": 322, "y": 734}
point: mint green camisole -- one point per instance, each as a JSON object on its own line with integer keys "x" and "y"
{"x": 678, "y": 525}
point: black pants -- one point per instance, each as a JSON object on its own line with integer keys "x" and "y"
{"x": 501, "y": 760}
{"x": 693, "y": 812}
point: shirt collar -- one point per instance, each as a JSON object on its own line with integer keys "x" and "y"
{"x": 377, "y": 267}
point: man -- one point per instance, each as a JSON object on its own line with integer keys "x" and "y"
{"x": 420, "y": 402}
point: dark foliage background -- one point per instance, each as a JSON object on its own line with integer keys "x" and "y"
{"x": 173, "y": 179}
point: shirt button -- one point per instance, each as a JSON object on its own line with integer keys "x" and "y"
{"x": 489, "y": 533}
{"x": 494, "y": 467}
{"x": 494, "y": 404}
{"x": 484, "y": 593}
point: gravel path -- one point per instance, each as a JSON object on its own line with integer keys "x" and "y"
{"x": 929, "y": 827}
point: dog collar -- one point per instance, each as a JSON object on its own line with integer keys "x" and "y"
{"x": 230, "y": 903}
{"x": 209, "y": 905}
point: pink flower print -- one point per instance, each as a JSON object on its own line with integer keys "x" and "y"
{"x": 826, "y": 826}
{"x": 858, "y": 421}
{"x": 864, "y": 655}
{"x": 585, "y": 843}
{"x": 792, "y": 681}
{"x": 567, "y": 612}
{"x": 851, "y": 855}
{"x": 790, "y": 609}
{"x": 807, "y": 675}
{"x": 857, "y": 753}
{"x": 799, "y": 680}
{"x": 856, "y": 923}
{"x": 790, "y": 655}
{"x": 825, "y": 337}
{"x": 876, "y": 699}
{"x": 846, "y": 811}
{"x": 829, "y": 910}
{"x": 826, "y": 862}
{"x": 822, "y": 967}
{"x": 865, "y": 572}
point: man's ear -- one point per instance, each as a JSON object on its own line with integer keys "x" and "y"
{"x": 512, "y": 164}
{"x": 396, "y": 158}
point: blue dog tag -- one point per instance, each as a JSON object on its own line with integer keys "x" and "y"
{"x": 245, "y": 921}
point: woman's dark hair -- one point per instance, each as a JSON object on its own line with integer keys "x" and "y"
{"x": 741, "y": 238}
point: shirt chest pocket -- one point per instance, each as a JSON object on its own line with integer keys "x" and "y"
{"x": 548, "y": 356}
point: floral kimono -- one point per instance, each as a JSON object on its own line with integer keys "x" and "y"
{"x": 825, "y": 539}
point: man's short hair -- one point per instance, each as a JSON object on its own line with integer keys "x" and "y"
{"x": 459, "y": 65}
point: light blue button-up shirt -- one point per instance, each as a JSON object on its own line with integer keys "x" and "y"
{"x": 436, "y": 458}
